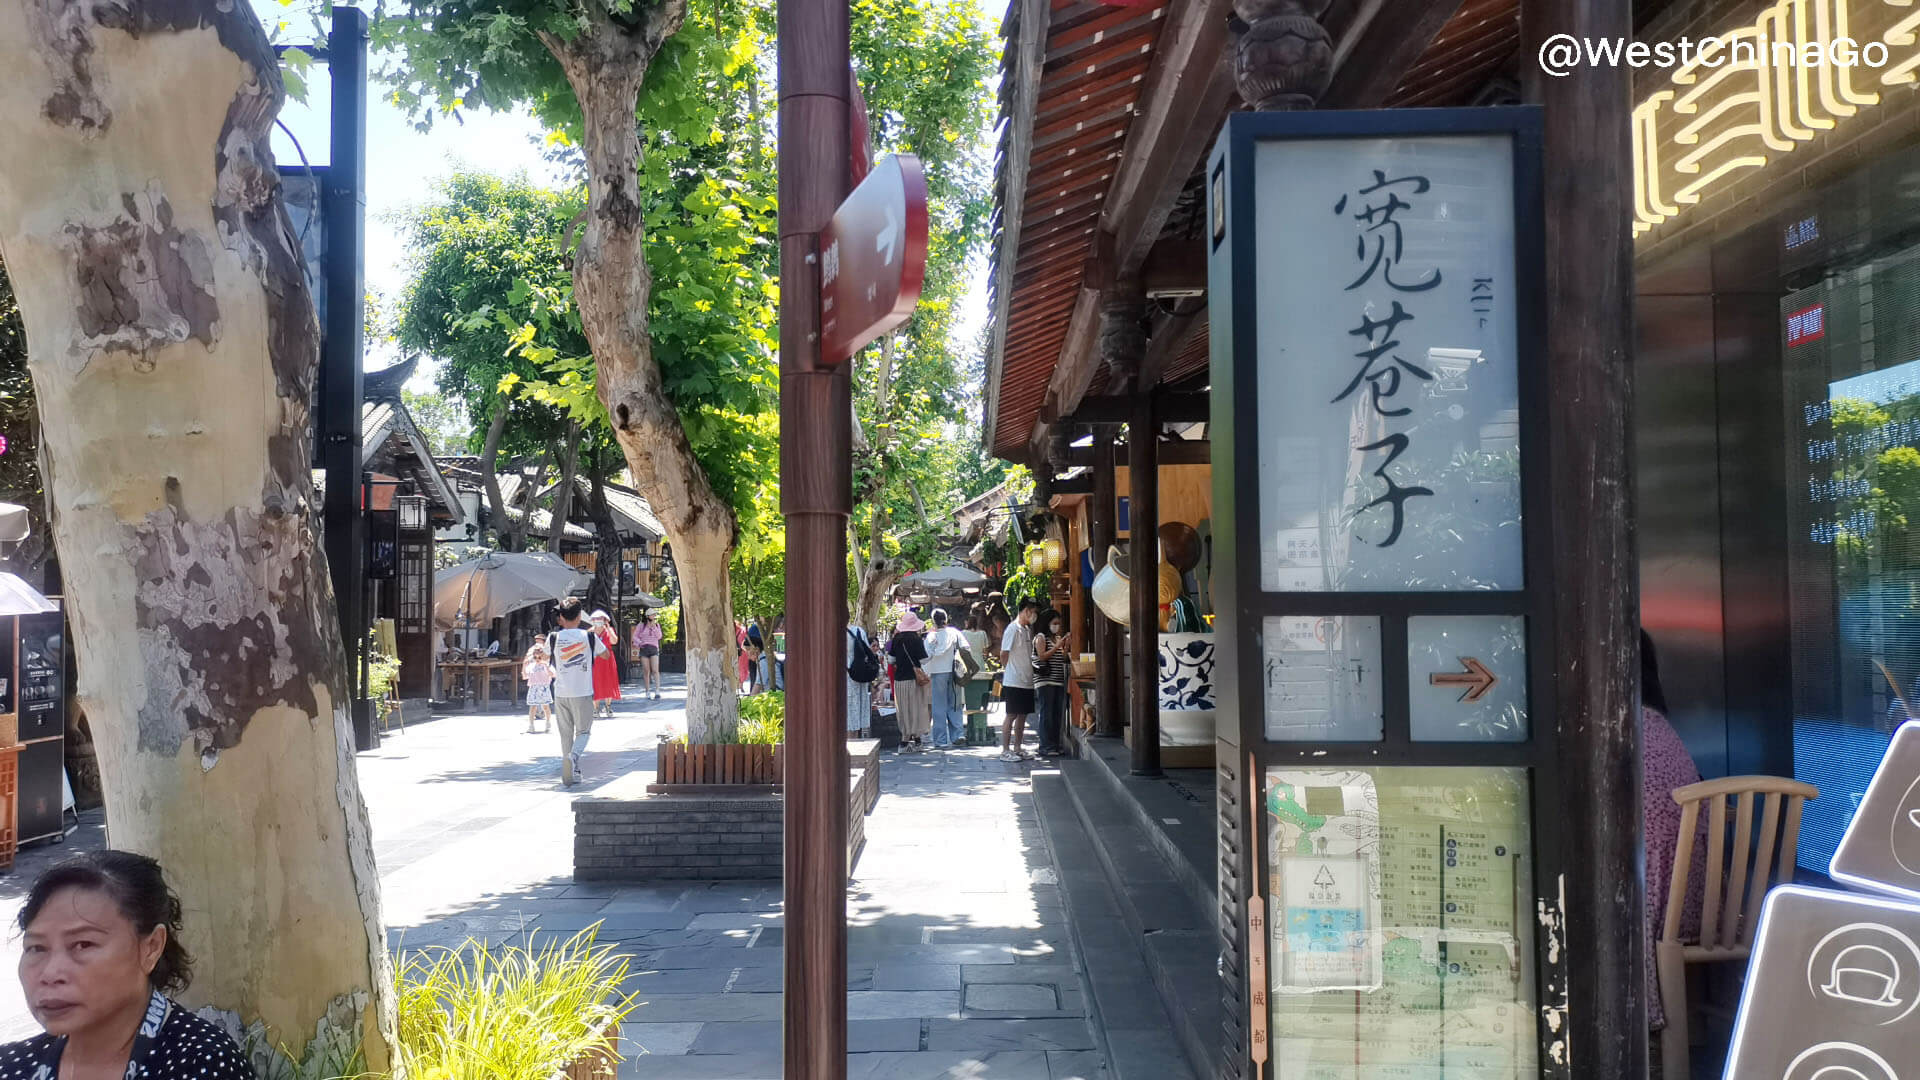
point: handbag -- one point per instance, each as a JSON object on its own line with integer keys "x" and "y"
{"x": 921, "y": 678}
{"x": 969, "y": 666}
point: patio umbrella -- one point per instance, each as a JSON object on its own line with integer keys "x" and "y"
{"x": 945, "y": 578}
{"x": 478, "y": 592}
{"x": 15, "y": 523}
{"x": 19, "y": 598}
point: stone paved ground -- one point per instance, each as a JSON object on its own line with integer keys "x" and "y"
{"x": 958, "y": 957}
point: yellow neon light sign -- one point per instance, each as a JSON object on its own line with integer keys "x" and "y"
{"x": 1753, "y": 96}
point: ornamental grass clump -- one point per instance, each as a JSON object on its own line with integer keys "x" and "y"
{"x": 514, "y": 1012}
{"x": 763, "y": 719}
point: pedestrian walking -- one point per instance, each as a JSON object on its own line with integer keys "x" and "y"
{"x": 646, "y": 644}
{"x": 1016, "y": 681}
{"x": 573, "y": 648}
{"x": 102, "y": 956}
{"x": 538, "y": 671}
{"x": 1050, "y": 683}
{"x": 863, "y": 670}
{"x": 911, "y": 682}
{"x": 943, "y": 655}
{"x": 606, "y": 669}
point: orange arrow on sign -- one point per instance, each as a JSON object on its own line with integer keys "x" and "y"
{"x": 1477, "y": 679}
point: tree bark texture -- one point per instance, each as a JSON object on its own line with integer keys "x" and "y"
{"x": 173, "y": 344}
{"x": 490, "y": 476}
{"x": 562, "y": 513}
{"x": 606, "y": 64}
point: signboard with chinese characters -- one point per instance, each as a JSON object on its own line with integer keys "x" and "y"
{"x": 1391, "y": 459}
{"x": 1386, "y": 645}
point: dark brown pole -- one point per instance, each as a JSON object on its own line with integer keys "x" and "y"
{"x": 1590, "y": 369}
{"x": 1109, "y": 688}
{"x": 816, "y": 494}
{"x": 1143, "y": 545}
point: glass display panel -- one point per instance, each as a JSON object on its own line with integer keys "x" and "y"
{"x": 1853, "y": 456}
{"x": 1467, "y": 677}
{"x": 1322, "y": 678}
{"x": 1388, "y": 364}
{"x": 1400, "y": 904}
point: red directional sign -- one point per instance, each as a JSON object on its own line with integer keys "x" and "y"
{"x": 873, "y": 258}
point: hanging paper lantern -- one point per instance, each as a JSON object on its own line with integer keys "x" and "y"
{"x": 1056, "y": 554}
{"x": 1036, "y": 560}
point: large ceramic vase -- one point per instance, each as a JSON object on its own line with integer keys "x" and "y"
{"x": 1186, "y": 690}
{"x": 1112, "y": 591}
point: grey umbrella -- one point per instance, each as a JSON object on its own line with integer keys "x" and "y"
{"x": 476, "y": 593}
{"x": 944, "y": 578}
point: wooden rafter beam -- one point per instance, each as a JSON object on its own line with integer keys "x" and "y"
{"x": 1385, "y": 48}
{"x": 1118, "y": 409}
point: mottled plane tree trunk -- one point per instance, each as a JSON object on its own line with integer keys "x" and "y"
{"x": 606, "y": 63}
{"x": 172, "y": 342}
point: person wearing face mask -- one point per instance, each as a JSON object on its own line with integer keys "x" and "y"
{"x": 101, "y": 953}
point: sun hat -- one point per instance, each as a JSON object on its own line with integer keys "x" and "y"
{"x": 911, "y": 621}
{"x": 600, "y": 616}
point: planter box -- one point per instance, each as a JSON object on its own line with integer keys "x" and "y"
{"x": 633, "y": 831}
{"x": 689, "y": 768}
{"x": 600, "y": 1066}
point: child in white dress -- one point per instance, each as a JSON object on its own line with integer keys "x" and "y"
{"x": 539, "y": 676}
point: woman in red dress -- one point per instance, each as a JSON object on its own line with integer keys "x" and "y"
{"x": 606, "y": 670}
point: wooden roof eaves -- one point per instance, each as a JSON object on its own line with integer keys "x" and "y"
{"x": 1110, "y": 23}
{"x": 1029, "y": 51}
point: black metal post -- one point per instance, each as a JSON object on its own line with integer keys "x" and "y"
{"x": 343, "y": 209}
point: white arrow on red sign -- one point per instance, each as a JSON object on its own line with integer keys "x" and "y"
{"x": 873, "y": 258}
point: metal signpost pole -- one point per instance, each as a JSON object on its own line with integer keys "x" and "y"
{"x": 343, "y": 209}
{"x": 816, "y": 495}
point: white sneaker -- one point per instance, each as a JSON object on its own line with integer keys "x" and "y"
{"x": 1010, "y": 756}
{"x": 576, "y": 766}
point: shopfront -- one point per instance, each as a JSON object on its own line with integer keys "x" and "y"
{"x": 1778, "y": 427}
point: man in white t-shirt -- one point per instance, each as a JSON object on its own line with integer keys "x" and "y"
{"x": 572, "y": 648}
{"x": 943, "y": 650}
{"x": 1016, "y": 681}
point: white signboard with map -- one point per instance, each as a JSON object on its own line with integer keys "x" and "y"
{"x": 1401, "y": 923}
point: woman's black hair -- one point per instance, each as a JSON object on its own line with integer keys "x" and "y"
{"x": 139, "y": 889}
{"x": 1652, "y": 694}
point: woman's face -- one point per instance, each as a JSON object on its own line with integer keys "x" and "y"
{"x": 83, "y": 962}
{"x": 1054, "y": 626}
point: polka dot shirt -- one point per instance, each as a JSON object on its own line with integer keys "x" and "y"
{"x": 173, "y": 1044}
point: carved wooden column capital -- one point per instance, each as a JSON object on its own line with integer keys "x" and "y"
{"x": 1282, "y": 56}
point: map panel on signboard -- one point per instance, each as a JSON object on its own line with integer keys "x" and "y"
{"x": 1401, "y": 923}
{"x": 1833, "y": 990}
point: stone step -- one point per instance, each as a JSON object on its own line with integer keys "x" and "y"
{"x": 1134, "y": 1032}
{"x": 1176, "y": 936}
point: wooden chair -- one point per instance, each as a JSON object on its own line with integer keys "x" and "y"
{"x": 1737, "y": 881}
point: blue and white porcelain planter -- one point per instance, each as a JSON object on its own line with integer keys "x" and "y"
{"x": 1186, "y": 690}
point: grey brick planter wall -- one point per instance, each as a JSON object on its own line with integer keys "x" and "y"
{"x": 622, "y": 833}
{"x": 640, "y": 837}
